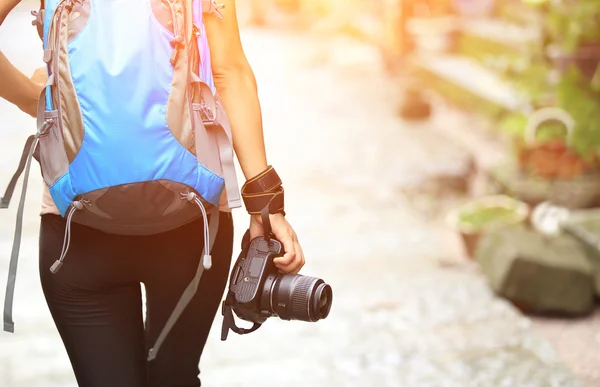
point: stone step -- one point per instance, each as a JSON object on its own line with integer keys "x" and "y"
{"x": 468, "y": 76}
{"x": 540, "y": 274}
{"x": 503, "y": 32}
{"x": 585, "y": 226}
{"x": 517, "y": 12}
{"x": 500, "y": 45}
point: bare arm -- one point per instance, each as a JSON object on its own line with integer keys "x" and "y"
{"x": 16, "y": 87}
{"x": 236, "y": 85}
{"x": 5, "y": 7}
{"x": 235, "y": 82}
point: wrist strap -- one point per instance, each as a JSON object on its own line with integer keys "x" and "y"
{"x": 264, "y": 192}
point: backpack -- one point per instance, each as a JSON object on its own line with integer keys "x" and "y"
{"x": 131, "y": 138}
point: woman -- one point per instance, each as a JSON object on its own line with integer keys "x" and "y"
{"x": 95, "y": 300}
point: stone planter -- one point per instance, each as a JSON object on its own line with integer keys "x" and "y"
{"x": 483, "y": 215}
{"x": 580, "y": 192}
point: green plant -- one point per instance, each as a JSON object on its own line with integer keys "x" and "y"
{"x": 514, "y": 125}
{"x": 573, "y": 23}
{"x": 487, "y": 213}
{"x": 570, "y": 23}
{"x": 583, "y": 104}
{"x": 483, "y": 217}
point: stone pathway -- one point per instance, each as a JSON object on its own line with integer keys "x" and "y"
{"x": 399, "y": 318}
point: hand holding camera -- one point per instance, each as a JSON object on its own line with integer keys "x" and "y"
{"x": 293, "y": 258}
{"x": 264, "y": 280}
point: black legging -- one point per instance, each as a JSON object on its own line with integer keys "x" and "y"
{"x": 95, "y": 301}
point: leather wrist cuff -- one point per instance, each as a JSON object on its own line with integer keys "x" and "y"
{"x": 264, "y": 191}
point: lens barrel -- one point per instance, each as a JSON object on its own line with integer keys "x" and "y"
{"x": 298, "y": 297}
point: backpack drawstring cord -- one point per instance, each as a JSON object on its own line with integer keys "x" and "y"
{"x": 78, "y": 205}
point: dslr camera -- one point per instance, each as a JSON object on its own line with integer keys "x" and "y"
{"x": 258, "y": 291}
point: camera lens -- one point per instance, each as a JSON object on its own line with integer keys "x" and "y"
{"x": 297, "y": 297}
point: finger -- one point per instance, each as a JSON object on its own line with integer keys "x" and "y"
{"x": 285, "y": 260}
{"x": 292, "y": 268}
{"x": 290, "y": 252}
{"x": 299, "y": 257}
{"x": 297, "y": 264}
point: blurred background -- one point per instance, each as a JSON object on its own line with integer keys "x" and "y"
{"x": 441, "y": 167}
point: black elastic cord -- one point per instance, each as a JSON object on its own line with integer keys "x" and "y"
{"x": 229, "y": 323}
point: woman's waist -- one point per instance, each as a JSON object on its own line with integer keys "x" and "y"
{"x": 48, "y": 206}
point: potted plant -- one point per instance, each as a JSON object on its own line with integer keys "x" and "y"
{"x": 555, "y": 157}
{"x": 551, "y": 145}
{"x": 485, "y": 214}
{"x": 556, "y": 147}
{"x": 552, "y": 156}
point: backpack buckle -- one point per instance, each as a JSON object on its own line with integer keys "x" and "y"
{"x": 208, "y": 105}
{"x": 38, "y": 22}
{"x": 211, "y": 6}
{"x": 209, "y": 117}
{"x": 39, "y": 17}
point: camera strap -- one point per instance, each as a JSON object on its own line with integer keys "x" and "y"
{"x": 270, "y": 208}
{"x": 229, "y": 323}
{"x": 266, "y": 223}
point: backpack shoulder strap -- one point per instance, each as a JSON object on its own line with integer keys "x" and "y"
{"x": 208, "y": 7}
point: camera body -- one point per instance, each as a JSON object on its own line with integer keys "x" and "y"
{"x": 258, "y": 291}
{"x": 253, "y": 275}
